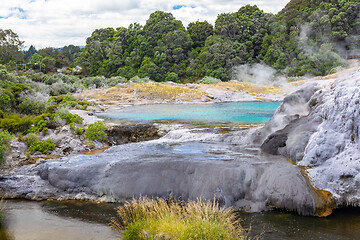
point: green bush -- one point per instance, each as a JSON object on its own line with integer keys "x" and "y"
{"x": 51, "y": 109}
{"x": 40, "y": 126}
{"x": 5, "y": 138}
{"x": 70, "y": 118}
{"x": 29, "y": 106}
{"x": 43, "y": 146}
{"x": 96, "y": 131}
{"x": 137, "y": 79}
{"x": 28, "y": 139}
{"x": 56, "y": 99}
{"x": 209, "y": 80}
{"x": 76, "y": 129}
{"x": 7, "y": 100}
{"x": 67, "y": 101}
{"x": 113, "y": 81}
{"x": 69, "y": 98}
{"x": 97, "y": 81}
{"x": 171, "y": 77}
{"x": 15, "y": 124}
{"x": 19, "y": 89}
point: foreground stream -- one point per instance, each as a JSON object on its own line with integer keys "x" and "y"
{"x": 51, "y": 220}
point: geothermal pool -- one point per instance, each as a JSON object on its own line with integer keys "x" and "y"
{"x": 232, "y": 112}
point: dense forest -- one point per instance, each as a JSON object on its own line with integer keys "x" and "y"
{"x": 306, "y": 37}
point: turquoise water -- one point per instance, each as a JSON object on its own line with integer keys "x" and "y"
{"x": 235, "y": 112}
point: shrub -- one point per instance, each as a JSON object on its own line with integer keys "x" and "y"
{"x": 14, "y": 123}
{"x": 113, "y": 81}
{"x": 56, "y": 99}
{"x": 51, "y": 109}
{"x": 171, "y": 77}
{"x": 167, "y": 219}
{"x": 7, "y": 100}
{"x": 76, "y": 129}
{"x": 42, "y": 146}
{"x": 40, "y": 126}
{"x": 70, "y": 118}
{"x": 37, "y": 77}
{"x": 5, "y": 138}
{"x": 20, "y": 89}
{"x": 3, "y": 71}
{"x": 209, "y": 80}
{"x": 93, "y": 81}
{"x": 90, "y": 144}
{"x": 60, "y": 87}
{"x": 137, "y": 79}
{"x": 28, "y": 139}
{"x": 29, "y": 106}
{"x": 96, "y": 131}
{"x": 69, "y": 97}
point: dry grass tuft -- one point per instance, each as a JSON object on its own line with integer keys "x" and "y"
{"x": 166, "y": 219}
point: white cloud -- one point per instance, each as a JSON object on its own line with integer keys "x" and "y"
{"x": 62, "y": 22}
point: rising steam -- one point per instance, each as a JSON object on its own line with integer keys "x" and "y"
{"x": 258, "y": 74}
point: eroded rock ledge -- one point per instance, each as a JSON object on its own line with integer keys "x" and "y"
{"x": 119, "y": 134}
{"x": 326, "y": 140}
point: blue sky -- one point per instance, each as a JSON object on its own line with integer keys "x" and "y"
{"x": 57, "y": 23}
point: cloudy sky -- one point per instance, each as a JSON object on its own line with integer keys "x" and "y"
{"x": 57, "y": 23}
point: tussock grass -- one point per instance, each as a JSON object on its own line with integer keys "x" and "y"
{"x": 166, "y": 219}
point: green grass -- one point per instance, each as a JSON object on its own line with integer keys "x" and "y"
{"x": 166, "y": 219}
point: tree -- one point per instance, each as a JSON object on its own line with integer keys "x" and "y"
{"x": 95, "y": 56}
{"x": 172, "y": 51}
{"x": 158, "y": 25}
{"x": 218, "y": 58}
{"x": 247, "y": 29}
{"x": 10, "y": 46}
{"x": 69, "y": 53}
{"x": 49, "y": 51}
{"x": 49, "y": 64}
{"x": 31, "y": 51}
{"x": 199, "y": 32}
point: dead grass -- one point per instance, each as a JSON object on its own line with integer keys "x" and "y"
{"x": 166, "y": 91}
{"x": 169, "y": 92}
{"x": 252, "y": 89}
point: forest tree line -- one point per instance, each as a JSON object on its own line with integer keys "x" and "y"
{"x": 306, "y": 37}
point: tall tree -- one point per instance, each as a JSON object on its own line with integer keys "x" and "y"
{"x": 199, "y": 32}
{"x": 97, "y": 51}
{"x": 31, "y": 51}
{"x": 157, "y": 26}
{"x": 10, "y": 46}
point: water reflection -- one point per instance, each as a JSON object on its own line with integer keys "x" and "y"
{"x": 342, "y": 224}
{"x": 50, "y": 220}
{"x": 26, "y": 220}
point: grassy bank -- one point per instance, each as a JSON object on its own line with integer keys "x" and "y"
{"x": 165, "y": 219}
